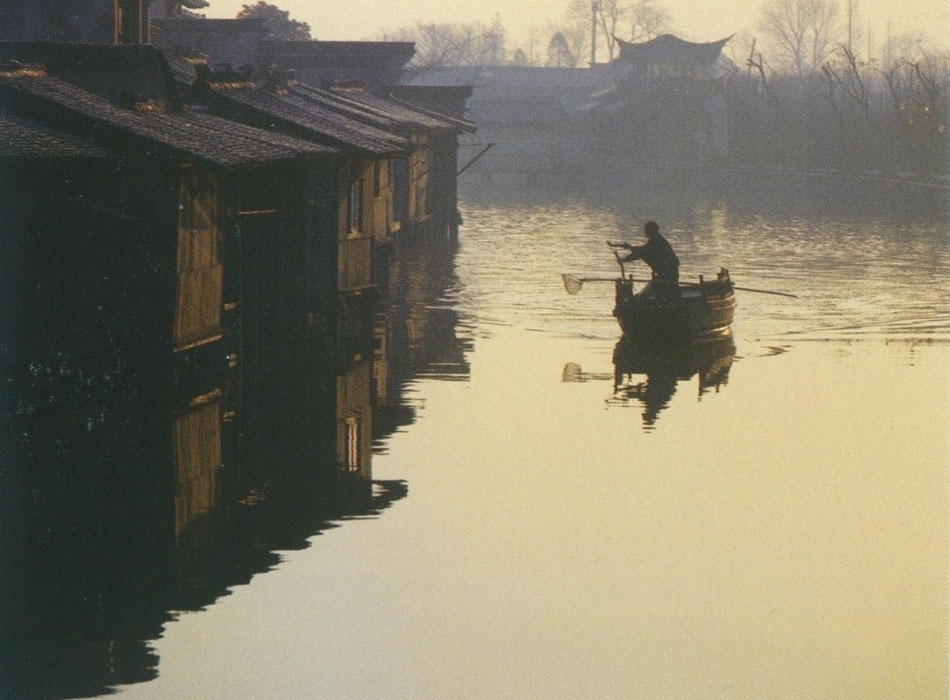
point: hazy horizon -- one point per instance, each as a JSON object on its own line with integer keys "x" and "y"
{"x": 691, "y": 19}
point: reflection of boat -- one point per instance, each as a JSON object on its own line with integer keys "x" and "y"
{"x": 701, "y": 311}
{"x": 665, "y": 365}
{"x": 710, "y": 360}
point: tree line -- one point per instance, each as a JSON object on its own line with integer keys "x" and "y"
{"x": 812, "y": 88}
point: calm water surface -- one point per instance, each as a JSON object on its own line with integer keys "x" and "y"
{"x": 776, "y": 527}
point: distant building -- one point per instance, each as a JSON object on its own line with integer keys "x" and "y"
{"x": 90, "y": 21}
{"x": 671, "y": 57}
{"x": 657, "y": 106}
{"x": 375, "y": 65}
{"x": 219, "y": 42}
{"x": 535, "y": 116}
{"x": 669, "y": 98}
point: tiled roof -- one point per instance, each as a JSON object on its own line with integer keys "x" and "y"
{"x": 335, "y": 103}
{"x": 386, "y": 113}
{"x": 328, "y": 125}
{"x": 189, "y": 135}
{"x": 445, "y": 100}
{"x": 405, "y": 114}
{"x": 371, "y": 107}
{"x": 569, "y": 88}
{"x": 115, "y": 72}
{"x": 667, "y": 48}
{"x": 26, "y": 139}
{"x": 459, "y": 122}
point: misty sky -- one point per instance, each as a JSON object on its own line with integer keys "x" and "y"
{"x": 698, "y": 20}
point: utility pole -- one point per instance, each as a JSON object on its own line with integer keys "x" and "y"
{"x": 594, "y": 8}
{"x": 887, "y": 54}
{"x": 850, "y": 23}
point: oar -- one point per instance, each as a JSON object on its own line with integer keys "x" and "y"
{"x": 765, "y": 291}
{"x": 573, "y": 284}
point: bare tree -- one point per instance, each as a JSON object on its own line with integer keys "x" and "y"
{"x": 453, "y": 44}
{"x": 649, "y": 20}
{"x": 630, "y": 20}
{"x": 611, "y": 15}
{"x": 802, "y": 31}
{"x": 845, "y": 81}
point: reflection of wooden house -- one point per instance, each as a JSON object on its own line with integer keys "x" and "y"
{"x": 196, "y": 244}
{"x": 354, "y": 392}
{"x": 196, "y": 447}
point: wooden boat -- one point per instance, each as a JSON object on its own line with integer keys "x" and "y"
{"x": 702, "y": 311}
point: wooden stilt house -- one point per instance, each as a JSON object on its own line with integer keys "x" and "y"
{"x": 363, "y": 191}
{"x": 202, "y": 255}
{"x": 425, "y": 183}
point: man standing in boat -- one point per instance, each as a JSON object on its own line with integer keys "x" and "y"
{"x": 658, "y": 254}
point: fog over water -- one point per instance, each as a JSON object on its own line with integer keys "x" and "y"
{"x": 773, "y": 526}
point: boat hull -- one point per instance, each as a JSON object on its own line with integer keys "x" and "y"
{"x": 700, "y": 311}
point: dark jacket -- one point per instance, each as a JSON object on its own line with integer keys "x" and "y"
{"x": 659, "y": 255}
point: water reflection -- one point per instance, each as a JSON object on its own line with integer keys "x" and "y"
{"x": 648, "y": 375}
{"x": 130, "y": 495}
{"x": 121, "y": 508}
{"x": 418, "y": 330}
{"x": 119, "y": 528}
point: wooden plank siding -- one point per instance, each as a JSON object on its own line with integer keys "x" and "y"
{"x": 280, "y": 298}
{"x": 355, "y": 264}
{"x": 419, "y": 180}
{"x": 199, "y": 268}
{"x": 366, "y": 221}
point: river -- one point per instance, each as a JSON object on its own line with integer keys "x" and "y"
{"x": 771, "y": 524}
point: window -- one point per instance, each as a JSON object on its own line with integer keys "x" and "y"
{"x": 377, "y": 167}
{"x": 356, "y": 206}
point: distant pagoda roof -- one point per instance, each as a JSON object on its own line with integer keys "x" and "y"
{"x": 668, "y": 49}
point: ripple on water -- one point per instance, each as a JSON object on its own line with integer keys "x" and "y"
{"x": 855, "y": 280}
